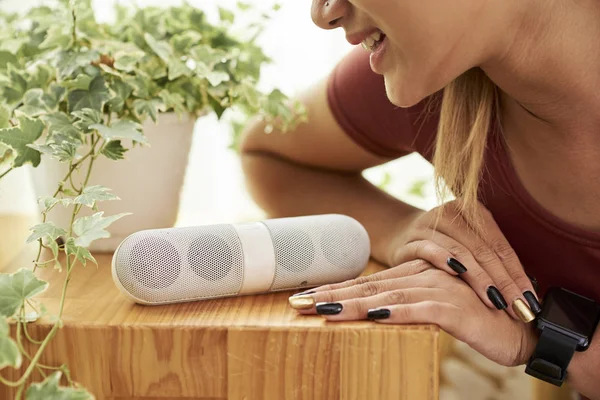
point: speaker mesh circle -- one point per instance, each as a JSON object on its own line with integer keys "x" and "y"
{"x": 316, "y": 250}
{"x": 215, "y": 248}
{"x": 295, "y": 251}
{"x": 155, "y": 263}
{"x": 339, "y": 245}
{"x": 180, "y": 264}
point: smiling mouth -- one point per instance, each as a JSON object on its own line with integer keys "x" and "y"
{"x": 373, "y": 41}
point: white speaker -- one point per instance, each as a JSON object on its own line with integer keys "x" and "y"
{"x": 162, "y": 266}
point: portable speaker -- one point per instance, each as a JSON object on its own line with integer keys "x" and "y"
{"x": 175, "y": 265}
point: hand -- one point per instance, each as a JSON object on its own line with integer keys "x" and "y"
{"x": 418, "y": 293}
{"x": 488, "y": 264}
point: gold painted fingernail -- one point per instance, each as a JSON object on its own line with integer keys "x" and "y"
{"x": 523, "y": 311}
{"x": 302, "y": 302}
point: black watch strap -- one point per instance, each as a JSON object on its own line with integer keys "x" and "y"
{"x": 552, "y": 356}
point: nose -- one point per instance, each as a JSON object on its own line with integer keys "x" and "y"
{"x": 328, "y": 14}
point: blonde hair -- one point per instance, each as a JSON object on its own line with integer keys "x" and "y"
{"x": 468, "y": 105}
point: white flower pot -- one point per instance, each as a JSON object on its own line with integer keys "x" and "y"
{"x": 148, "y": 181}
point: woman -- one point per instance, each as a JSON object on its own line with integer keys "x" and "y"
{"x": 504, "y": 99}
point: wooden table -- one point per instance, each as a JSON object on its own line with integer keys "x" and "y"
{"x": 244, "y": 348}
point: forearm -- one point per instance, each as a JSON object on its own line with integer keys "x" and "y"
{"x": 584, "y": 370}
{"x": 283, "y": 188}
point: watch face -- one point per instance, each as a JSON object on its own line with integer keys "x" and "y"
{"x": 571, "y": 311}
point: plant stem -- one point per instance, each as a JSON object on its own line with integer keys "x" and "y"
{"x": 74, "y": 31}
{"x": 70, "y": 263}
{"x": 60, "y": 187}
{"x": 5, "y": 173}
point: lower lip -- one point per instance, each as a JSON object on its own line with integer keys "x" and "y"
{"x": 377, "y": 57}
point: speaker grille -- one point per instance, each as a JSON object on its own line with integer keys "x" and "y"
{"x": 313, "y": 251}
{"x": 181, "y": 264}
{"x": 154, "y": 262}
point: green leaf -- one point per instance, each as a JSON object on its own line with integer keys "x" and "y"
{"x": 81, "y": 253}
{"x": 126, "y": 63}
{"x": 10, "y": 356}
{"x": 177, "y": 69}
{"x": 209, "y": 56}
{"x": 57, "y": 36}
{"x": 113, "y": 150}
{"x": 19, "y": 137}
{"x": 160, "y": 48}
{"x": 67, "y": 62}
{"x": 16, "y": 288}
{"x": 47, "y": 230}
{"x": 120, "y": 93}
{"x": 215, "y": 78}
{"x": 7, "y": 58}
{"x": 182, "y": 43}
{"x": 49, "y": 202}
{"x": 49, "y": 389}
{"x": 81, "y": 81}
{"x": 92, "y": 228}
{"x": 17, "y": 85}
{"x": 4, "y": 329}
{"x": 151, "y": 108}
{"x": 173, "y": 101}
{"x": 59, "y": 123}
{"x": 36, "y": 103}
{"x": 4, "y": 117}
{"x": 85, "y": 118}
{"x": 6, "y": 155}
{"x": 140, "y": 84}
{"x": 92, "y": 194}
{"x": 121, "y": 129}
{"x": 93, "y": 98}
{"x": 226, "y": 15}
{"x": 249, "y": 91}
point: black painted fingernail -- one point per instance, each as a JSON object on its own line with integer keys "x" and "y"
{"x": 496, "y": 298}
{"x": 456, "y": 266}
{"x": 534, "y": 304}
{"x": 329, "y": 308}
{"x": 381, "y": 313}
{"x": 303, "y": 293}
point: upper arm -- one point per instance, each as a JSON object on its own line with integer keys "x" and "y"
{"x": 319, "y": 142}
{"x": 351, "y": 125}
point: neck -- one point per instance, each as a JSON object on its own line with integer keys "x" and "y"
{"x": 548, "y": 68}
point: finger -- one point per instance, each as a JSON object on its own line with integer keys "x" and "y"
{"x": 447, "y": 316}
{"x": 475, "y": 275}
{"x": 357, "y": 309}
{"x": 407, "y": 269}
{"x": 430, "y": 251}
{"x": 367, "y": 289}
{"x": 489, "y": 266}
{"x": 499, "y": 244}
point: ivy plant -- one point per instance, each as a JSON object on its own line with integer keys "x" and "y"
{"x": 74, "y": 90}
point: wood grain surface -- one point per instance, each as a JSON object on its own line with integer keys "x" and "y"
{"x": 240, "y": 348}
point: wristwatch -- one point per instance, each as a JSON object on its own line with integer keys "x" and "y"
{"x": 567, "y": 323}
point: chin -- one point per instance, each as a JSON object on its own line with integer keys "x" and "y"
{"x": 402, "y": 93}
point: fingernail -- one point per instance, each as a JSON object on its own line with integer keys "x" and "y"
{"x": 329, "y": 308}
{"x": 380, "y": 313}
{"x": 456, "y": 265}
{"x": 496, "y": 298}
{"x": 533, "y": 302}
{"x": 303, "y": 293}
{"x": 302, "y": 302}
{"x": 523, "y": 311}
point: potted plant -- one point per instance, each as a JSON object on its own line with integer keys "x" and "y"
{"x": 75, "y": 98}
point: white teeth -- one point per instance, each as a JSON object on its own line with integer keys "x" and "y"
{"x": 370, "y": 42}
